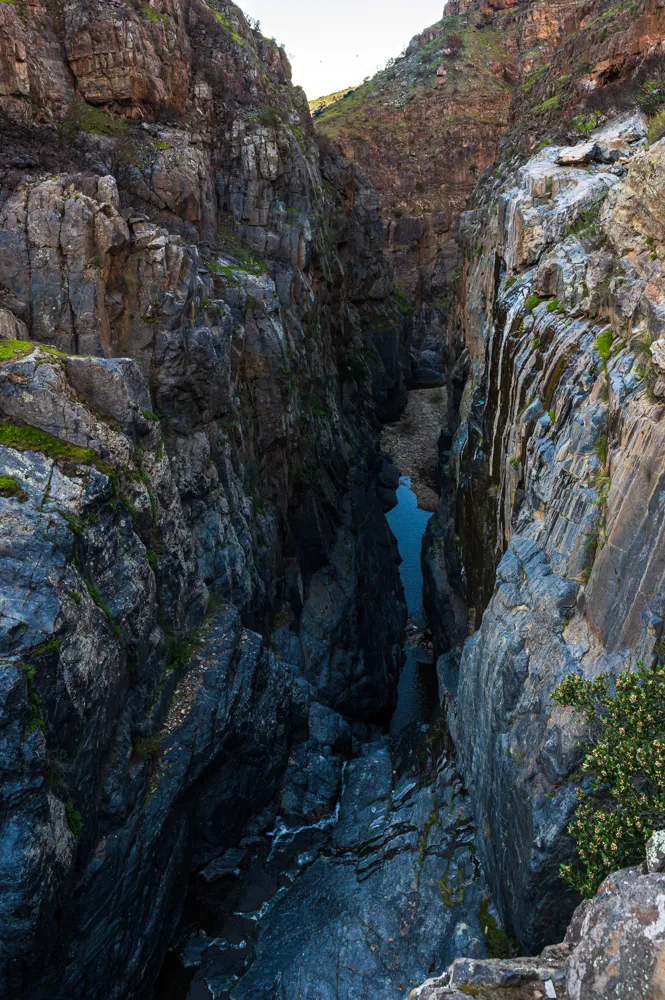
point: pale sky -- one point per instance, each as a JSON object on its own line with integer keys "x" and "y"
{"x": 336, "y": 43}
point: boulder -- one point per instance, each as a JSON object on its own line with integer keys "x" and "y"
{"x": 577, "y": 156}
{"x": 618, "y": 940}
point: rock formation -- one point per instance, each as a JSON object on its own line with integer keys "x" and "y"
{"x": 202, "y": 623}
{"x": 200, "y": 338}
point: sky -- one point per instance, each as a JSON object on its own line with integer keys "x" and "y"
{"x": 337, "y": 43}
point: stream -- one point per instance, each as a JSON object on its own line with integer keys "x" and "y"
{"x": 417, "y": 689}
{"x": 241, "y": 897}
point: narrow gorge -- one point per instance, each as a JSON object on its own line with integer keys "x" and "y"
{"x": 332, "y": 480}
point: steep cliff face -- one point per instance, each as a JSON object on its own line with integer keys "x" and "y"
{"x": 557, "y": 457}
{"x": 427, "y": 127}
{"x": 199, "y": 341}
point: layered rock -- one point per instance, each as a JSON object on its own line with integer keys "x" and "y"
{"x": 557, "y": 461}
{"x": 199, "y": 342}
{"x": 613, "y": 948}
{"x": 428, "y": 126}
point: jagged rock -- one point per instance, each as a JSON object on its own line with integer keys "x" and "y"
{"x": 11, "y": 327}
{"x": 658, "y": 354}
{"x": 618, "y": 940}
{"x": 213, "y": 416}
{"x": 656, "y": 853}
{"x": 613, "y": 948}
{"x": 575, "y": 156}
{"x": 544, "y": 479}
{"x": 400, "y": 878}
{"x": 427, "y": 378}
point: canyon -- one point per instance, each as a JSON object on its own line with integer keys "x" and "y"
{"x": 253, "y": 746}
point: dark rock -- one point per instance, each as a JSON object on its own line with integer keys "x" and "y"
{"x": 426, "y": 378}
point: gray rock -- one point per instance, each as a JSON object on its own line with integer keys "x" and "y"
{"x": 656, "y": 853}
{"x": 618, "y": 940}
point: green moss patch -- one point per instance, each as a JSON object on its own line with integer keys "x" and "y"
{"x": 95, "y": 121}
{"x": 532, "y": 302}
{"x": 10, "y": 488}
{"x": 551, "y": 104}
{"x": 10, "y": 349}
{"x": 25, "y": 438}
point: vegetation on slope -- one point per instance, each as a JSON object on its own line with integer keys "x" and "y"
{"x": 320, "y": 103}
{"x": 622, "y": 800}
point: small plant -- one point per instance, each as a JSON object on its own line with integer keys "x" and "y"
{"x": 402, "y": 301}
{"x": 451, "y": 896}
{"x": 74, "y": 819}
{"x": 270, "y": 117}
{"x": 622, "y": 800}
{"x": 587, "y": 224}
{"x": 512, "y": 280}
{"x": 148, "y": 746}
{"x": 552, "y": 415}
{"x": 532, "y": 302}
{"x": 96, "y": 596}
{"x": 516, "y": 462}
{"x": 553, "y": 306}
{"x": 497, "y": 940}
{"x": 603, "y": 345}
{"x": 600, "y": 448}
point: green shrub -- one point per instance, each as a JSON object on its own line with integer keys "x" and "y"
{"x": 603, "y": 345}
{"x": 623, "y": 799}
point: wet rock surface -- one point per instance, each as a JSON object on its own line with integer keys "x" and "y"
{"x": 380, "y": 891}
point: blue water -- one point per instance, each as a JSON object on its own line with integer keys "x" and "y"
{"x": 416, "y": 692}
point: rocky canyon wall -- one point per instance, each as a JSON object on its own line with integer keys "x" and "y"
{"x": 200, "y": 337}
{"x": 549, "y": 527}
